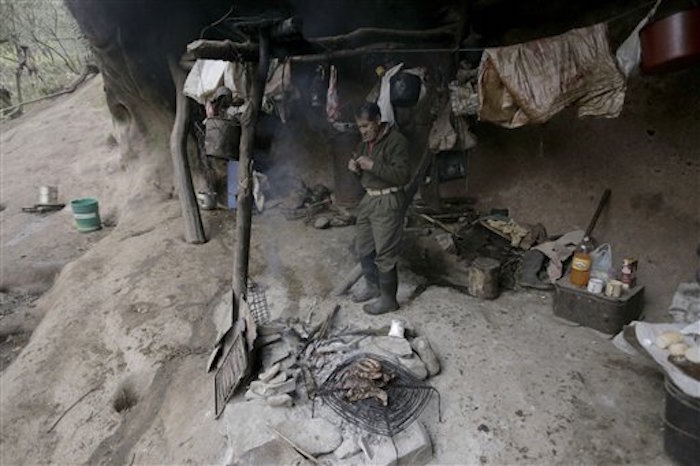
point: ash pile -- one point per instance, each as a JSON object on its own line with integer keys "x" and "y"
{"x": 358, "y": 392}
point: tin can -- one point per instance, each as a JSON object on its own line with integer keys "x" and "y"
{"x": 613, "y": 289}
{"x": 628, "y": 274}
{"x": 48, "y": 195}
{"x": 595, "y": 285}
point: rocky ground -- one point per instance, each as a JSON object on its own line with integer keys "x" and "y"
{"x": 105, "y": 336}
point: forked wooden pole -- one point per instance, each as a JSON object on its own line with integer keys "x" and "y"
{"x": 244, "y": 208}
{"x": 194, "y": 231}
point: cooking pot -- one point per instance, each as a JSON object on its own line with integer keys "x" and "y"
{"x": 672, "y": 42}
{"x": 405, "y": 89}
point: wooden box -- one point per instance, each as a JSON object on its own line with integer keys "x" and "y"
{"x": 597, "y": 311}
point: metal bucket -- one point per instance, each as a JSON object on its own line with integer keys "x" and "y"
{"x": 86, "y": 213}
{"x": 222, "y": 138}
{"x": 48, "y": 195}
{"x": 207, "y": 201}
{"x": 682, "y": 425}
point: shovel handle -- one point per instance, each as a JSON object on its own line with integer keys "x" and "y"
{"x": 601, "y": 205}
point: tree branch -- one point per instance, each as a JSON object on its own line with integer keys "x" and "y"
{"x": 354, "y": 43}
{"x": 66, "y": 90}
{"x": 365, "y": 36}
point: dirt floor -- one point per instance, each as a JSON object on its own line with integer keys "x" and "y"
{"x": 121, "y": 328}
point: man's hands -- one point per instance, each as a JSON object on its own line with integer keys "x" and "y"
{"x": 360, "y": 164}
{"x": 353, "y": 166}
{"x": 365, "y": 163}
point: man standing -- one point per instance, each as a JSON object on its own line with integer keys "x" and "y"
{"x": 382, "y": 163}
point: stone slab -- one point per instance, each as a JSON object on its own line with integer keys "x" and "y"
{"x": 348, "y": 448}
{"x": 413, "y": 445}
{"x": 271, "y": 372}
{"x": 283, "y": 400}
{"x": 416, "y": 366}
{"x": 394, "y": 345}
{"x": 273, "y": 452}
{"x": 421, "y": 345}
{"x": 278, "y": 389}
{"x": 315, "y": 436}
{"x": 278, "y": 379}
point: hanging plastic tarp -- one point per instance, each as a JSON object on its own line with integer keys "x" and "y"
{"x": 629, "y": 54}
{"x": 529, "y": 83}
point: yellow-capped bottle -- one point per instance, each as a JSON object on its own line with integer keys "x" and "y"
{"x": 581, "y": 263}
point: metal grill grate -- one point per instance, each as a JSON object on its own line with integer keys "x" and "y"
{"x": 257, "y": 303}
{"x": 407, "y": 397}
{"x": 233, "y": 369}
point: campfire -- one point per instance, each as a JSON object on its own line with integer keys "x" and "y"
{"x": 376, "y": 394}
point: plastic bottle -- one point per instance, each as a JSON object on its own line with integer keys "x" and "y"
{"x": 581, "y": 263}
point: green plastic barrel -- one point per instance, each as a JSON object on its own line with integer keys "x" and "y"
{"x": 86, "y": 214}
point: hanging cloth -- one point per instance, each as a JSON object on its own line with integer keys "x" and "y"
{"x": 629, "y": 54}
{"x": 529, "y": 83}
{"x": 384, "y": 101}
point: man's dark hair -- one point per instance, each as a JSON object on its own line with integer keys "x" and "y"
{"x": 367, "y": 111}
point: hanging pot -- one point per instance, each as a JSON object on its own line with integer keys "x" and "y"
{"x": 672, "y": 42}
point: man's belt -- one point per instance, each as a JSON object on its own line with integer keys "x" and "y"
{"x": 381, "y": 192}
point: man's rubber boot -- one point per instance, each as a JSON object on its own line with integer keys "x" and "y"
{"x": 388, "y": 284}
{"x": 530, "y": 267}
{"x": 371, "y": 274}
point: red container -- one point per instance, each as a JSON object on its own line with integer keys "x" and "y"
{"x": 672, "y": 42}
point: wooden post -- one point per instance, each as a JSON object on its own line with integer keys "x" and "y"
{"x": 482, "y": 278}
{"x": 244, "y": 208}
{"x": 194, "y": 231}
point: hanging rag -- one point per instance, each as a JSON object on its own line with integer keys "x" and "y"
{"x": 530, "y": 82}
{"x": 278, "y": 88}
{"x": 260, "y": 186}
{"x": 508, "y": 229}
{"x": 236, "y": 80}
{"x": 450, "y": 132}
{"x": 332, "y": 107}
{"x": 208, "y": 76}
{"x": 463, "y": 98}
{"x": 442, "y": 135}
{"x": 559, "y": 251}
{"x": 204, "y": 79}
{"x": 384, "y": 100}
{"x": 629, "y": 54}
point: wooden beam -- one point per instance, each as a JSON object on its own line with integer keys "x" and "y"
{"x": 360, "y": 41}
{"x": 366, "y": 36}
{"x": 375, "y": 48}
{"x": 223, "y": 50}
{"x": 194, "y": 231}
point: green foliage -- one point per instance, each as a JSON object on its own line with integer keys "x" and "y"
{"x": 43, "y": 36}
